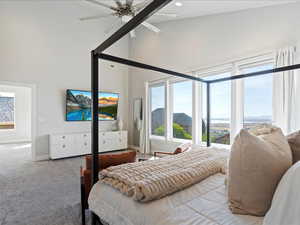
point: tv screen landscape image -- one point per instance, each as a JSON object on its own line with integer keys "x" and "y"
{"x": 79, "y": 106}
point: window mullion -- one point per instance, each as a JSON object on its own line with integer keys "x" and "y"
{"x": 197, "y": 113}
{"x": 237, "y": 105}
{"x": 168, "y": 111}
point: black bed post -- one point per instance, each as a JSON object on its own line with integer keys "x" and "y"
{"x": 95, "y": 121}
{"x": 95, "y": 116}
{"x": 208, "y": 113}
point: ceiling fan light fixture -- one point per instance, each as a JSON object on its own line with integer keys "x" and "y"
{"x": 179, "y": 4}
{"x": 125, "y": 10}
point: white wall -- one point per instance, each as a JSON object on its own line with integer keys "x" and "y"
{"x": 22, "y": 130}
{"x": 190, "y": 44}
{"x": 44, "y": 43}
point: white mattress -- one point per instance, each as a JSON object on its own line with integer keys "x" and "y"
{"x": 201, "y": 204}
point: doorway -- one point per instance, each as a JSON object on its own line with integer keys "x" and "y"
{"x": 17, "y": 115}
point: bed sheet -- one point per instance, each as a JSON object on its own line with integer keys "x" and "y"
{"x": 204, "y": 203}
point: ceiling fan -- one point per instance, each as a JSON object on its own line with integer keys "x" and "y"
{"x": 125, "y": 10}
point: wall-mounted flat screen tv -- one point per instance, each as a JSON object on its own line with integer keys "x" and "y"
{"x": 79, "y": 106}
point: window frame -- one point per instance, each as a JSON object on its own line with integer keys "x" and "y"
{"x": 152, "y": 85}
{"x": 237, "y": 99}
{"x": 246, "y": 65}
{"x": 226, "y": 68}
{"x": 171, "y": 109}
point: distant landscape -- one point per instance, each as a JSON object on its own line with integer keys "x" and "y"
{"x": 220, "y": 127}
{"x": 6, "y": 112}
{"x": 79, "y": 106}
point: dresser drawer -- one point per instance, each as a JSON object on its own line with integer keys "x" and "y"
{"x": 60, "y": 139}
{"x": 61, "y": 151}
{"x": 112, "y": 135}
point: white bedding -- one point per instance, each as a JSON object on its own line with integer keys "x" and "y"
{"x": 286, "y": 201}
{"x": 201, "y": 204}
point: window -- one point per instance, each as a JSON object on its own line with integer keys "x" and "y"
{"x": 178, "y": 107}
{"x": 220, "y": 110}
{"x": 257, "y": 97}
{"x": 182, "y": 109}
{"x": 7, "y": 110}
{"x": 157, "y": 99}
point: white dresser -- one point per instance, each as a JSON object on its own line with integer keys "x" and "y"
{"x": 75, "y": 144}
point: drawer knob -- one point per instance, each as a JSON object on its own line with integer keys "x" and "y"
{"x": 63, "y": 137}
{"x": 64, "y": 146}
{"x": 85, "y": 143}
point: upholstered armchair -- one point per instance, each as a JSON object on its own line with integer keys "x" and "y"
{"x": 105, "y": 161}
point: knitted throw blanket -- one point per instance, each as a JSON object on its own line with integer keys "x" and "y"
{"x": 154, "y": 179}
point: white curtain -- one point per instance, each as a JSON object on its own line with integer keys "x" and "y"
{"x": 144, "y": 138}
{"x": 284, "y": 91}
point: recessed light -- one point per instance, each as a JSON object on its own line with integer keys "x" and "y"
{"x": 178, "y": 4}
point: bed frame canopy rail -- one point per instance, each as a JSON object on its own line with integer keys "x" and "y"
{"x": 97, "y": 54}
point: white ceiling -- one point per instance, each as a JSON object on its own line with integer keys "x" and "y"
{"x": 195, "y": 8}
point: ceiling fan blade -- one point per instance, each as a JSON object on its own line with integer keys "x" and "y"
{"x": 94, "y": 17}
{"x": 102, "y": 4}
{"x": 171, "y": 15}
{"x": 132, "y": 34}
{"x": 151, "y": 27}
{"x": 119, "y": 4}
{"x": 129, "y": 2}
{"x": 142, "y": 5}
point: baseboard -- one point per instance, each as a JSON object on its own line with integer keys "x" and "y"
{"x": 134, "y": 148}
{"x": 21, "y": 141}
{"x": 42, "y": 157}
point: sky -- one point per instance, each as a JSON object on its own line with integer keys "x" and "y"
{"x": 257, "y": 96}
{"x": 88, "y": 94}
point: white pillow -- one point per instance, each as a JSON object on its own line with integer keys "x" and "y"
{"x": 285, "y": 208}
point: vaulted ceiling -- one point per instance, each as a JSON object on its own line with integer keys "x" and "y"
{"x": 194, "y": 8}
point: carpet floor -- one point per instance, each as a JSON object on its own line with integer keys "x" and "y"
{"x": 38, "y": 193}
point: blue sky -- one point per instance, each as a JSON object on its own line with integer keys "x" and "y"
{"x": 88, "y": 94}
{"x": 157, "y": 97}
{"x": 258, "y": 93}
{"x": 257, "y": 97}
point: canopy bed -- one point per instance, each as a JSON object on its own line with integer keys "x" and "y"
{"x": 214, "y": 185}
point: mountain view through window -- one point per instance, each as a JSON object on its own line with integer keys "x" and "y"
{"x": 220, "y": 110}
{"x": 157, "y": 99}
{"x": 258, "y": 100}
{"x": 182, "y": 109}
